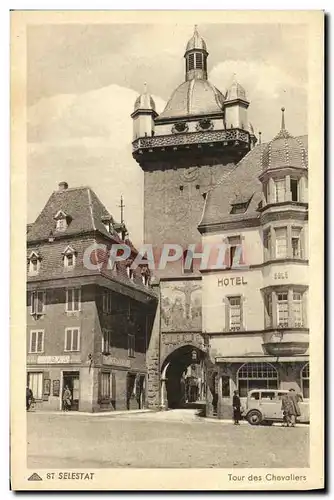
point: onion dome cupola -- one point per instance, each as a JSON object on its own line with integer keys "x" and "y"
{"x": 284, "y": 168}
{"x": 143, "y": 115}
{"x": 236, "y": 105}
{"x": 196, "y": 58}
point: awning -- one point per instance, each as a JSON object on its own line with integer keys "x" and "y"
{"x": 259, "y": 359}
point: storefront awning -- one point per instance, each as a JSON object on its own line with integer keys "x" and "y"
{"x": 259, "y": 359}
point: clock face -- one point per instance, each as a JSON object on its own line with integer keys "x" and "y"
{"x": 190, "y": 174}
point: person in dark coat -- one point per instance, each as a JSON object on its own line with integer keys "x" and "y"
{"x": 236, "y": 403}
{"x": 29, "y": 397}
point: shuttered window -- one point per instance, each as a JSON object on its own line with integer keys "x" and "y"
{"x": 72, "y": 339}
{"x": 73, "y": 299}
{"x": 36, "y": 343}
{"x": 35, "y": 383}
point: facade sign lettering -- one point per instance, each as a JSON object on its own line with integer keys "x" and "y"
{"x": 281, "y": 276}
{"x": 107, "y": 360}
{"x": 234, "y": 281}
{"x": 182, "y": 338}
{"x": 53, "y": 360}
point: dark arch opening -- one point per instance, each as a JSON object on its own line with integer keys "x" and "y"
{"x": 184, "y": 374}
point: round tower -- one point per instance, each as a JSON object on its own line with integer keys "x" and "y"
{"x": 236, "y": 105}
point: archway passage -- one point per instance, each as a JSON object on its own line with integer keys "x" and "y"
{"x": 183, "y": 373}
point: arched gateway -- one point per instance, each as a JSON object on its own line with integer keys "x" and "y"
{"x": 183, "y": 377}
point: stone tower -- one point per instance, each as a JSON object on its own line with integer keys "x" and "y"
{"x": 183, "y": 152}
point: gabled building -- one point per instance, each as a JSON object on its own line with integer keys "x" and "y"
{"x": 254, "y": 309}
{"x": 88, "y": 322}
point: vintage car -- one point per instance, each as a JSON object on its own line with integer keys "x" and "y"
{"x": 264, "y": 406}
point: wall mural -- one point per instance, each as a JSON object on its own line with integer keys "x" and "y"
{"x": 181, "y": 306}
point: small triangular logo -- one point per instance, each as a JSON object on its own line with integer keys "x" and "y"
{"x": 35, "y": 477}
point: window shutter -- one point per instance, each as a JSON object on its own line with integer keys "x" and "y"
{"x": 69, "y": 299}
{"x": 40, "y": 339}
{"x": 46, "y": 375}
{"x": 68, "y": 335}
{"x": 33, "y": 341}
{"x": 75, "y": 339}
{"x": 32, "y": 299}
{"x": 76, "y": 293}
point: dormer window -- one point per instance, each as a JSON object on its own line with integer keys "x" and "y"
{"x": 107, "y": 222}
{"x": 69, "y": 257}
{"x": 239, "y": 208}
{"x": 62, "y": 221}
{"x": 34, "y": 261}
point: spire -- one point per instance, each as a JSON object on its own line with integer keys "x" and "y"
{"x": 122, "y": 206}
{"x": 145, "y": 88}
{"x": 283, "y": 121}
{"x": 260, "y": 137}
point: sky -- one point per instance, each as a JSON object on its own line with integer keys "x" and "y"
{"x": 82, "y": 81}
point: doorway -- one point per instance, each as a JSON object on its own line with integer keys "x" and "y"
{"x": 72, "y": 381}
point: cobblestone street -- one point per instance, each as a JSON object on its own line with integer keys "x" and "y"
{"x": 168, "y": 439}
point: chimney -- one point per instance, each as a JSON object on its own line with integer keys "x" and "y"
{"x": 62, "y": 186}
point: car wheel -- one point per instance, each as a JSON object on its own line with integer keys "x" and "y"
{"x": 254, "y": 417}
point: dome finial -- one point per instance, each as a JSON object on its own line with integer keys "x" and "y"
{"x": 145, "y": 88}
{"x": 195, "y": 28}
{"x": 283, "y": 120}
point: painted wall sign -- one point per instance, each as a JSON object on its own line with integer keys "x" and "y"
{"x": 281, "y": 276}
{"x": 107, "y": 360}
{"x": 53, "y": 360}
{"x": 234, "y": 281}
{"x": 182, "y": 338}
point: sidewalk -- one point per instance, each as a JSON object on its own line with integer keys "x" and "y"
{"x": 91, "y": 414}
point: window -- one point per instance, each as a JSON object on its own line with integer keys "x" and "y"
{"x": 256, "y": 376}
{"x": 297, "y": 310}
{"x": 37, "y": 302}
{"x": 294, "y": 189}
{"x": 268, "y": 311}
{"x": 281, "y": 243}
{"x": 69, "y": 257}
{"x": 199, "y": 60}
{"x": 34, "y": 261}
{"x": 239, "y": 208}
{"x": 191, "y": 61}
{"x": 107, "y": 302}
{"x": 106, "y": 341}
{"x": 279, "y": 190}
{"x": 282, "y": 310}
{"x": 36, "y": 343}
{"x": 35, "y": 383}
{"x": 234, "y": 313}
{"x": 235, "y": 250}
{"x": 131, "y": 346}
{"x": 187, "y": 262}
{"x": 73, "y": 299}
{"x": 305, "y": 381}
{"x": 295, "y": 242}
{"x": 105, "y": 386}
{"x": 267, "y": 244}
{"x": 72, "y": 339}
{"x": 61, "y": 225}
{"x": 61, "y": 220}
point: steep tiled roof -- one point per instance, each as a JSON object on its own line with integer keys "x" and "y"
{"x": 80, "y": 204}
{"x": 238, "y": 186}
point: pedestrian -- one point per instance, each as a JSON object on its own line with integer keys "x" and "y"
{"x": 29, "y": 397}
{"x": 236, "y": 408}
{"x": 285, "y": 409}
{"x": 67, "y": 399}
{"x": 295, "y": 410}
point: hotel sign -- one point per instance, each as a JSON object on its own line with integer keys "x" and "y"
{"x": 234, "y": 281}
{"x": 107, "y": 360}
{"x": 53, "y": 360}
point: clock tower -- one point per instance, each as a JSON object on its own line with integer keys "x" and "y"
{"x": 184, "y": 152}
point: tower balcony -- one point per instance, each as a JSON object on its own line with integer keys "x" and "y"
{"x": 286, "y": 342}
{"x": 235, "y": 143}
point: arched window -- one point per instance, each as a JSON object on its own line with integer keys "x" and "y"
{"x": 305, "y": 381}
{"x": 256, "y": 376}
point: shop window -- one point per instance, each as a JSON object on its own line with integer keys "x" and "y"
{"x": 106, "y": 341}
{"x": 234, "y": 313}
{"x": 256, "y": 376}
{"x": 72, "y": 339}
{"x": 131, "y": 346}
{"x": 282, "y": 310}
{"x": 281, "y": 242}
{"x": 105, "y": 386}
{"x": 294, "y": 189}
{"x": 297, "y": 309}
{"x": 35, "y": 383}
{"x": 107, "y": 302}
{"x": 36, "y": 341}
{"x": 37, "y": 303}
{"x": 73, "y": 299}
{"x": 296, "y": 242}
{"x": 305, "y": 381}
{"x": 225, "y": 386}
